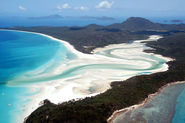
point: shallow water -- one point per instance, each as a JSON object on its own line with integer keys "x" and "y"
{"x": 159, "y": 109}
{"x": 34, "y": 67}
{"x": 179, "y": 116}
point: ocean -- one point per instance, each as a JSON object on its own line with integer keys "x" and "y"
{"x": 20, "y": 55}
{"x": 27, "y": 22}
{"x": 23, "y": 21}
{"x": 34, "y": 67}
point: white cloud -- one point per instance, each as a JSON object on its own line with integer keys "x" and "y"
{"x": 67, "y": 6}
{"x": 64, "y": 6}
{"x": 22, "y": 8}
{"x": 81, "y": 8}
{"x": 104, "y": 5}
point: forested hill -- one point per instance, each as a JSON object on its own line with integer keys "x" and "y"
{"x": 140, "y": 24}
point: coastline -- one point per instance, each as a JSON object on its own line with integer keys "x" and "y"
{"x": 79, "y": 53}
{"x": 68, "y": 45}
{"x": 142, "y": 104}
{"x": 105, "y": 48}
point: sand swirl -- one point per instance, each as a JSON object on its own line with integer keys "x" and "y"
{"x": 80, "y": 75}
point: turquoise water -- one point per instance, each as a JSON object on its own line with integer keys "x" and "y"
{"x": 22, "y": 52}
{"x": 12, "y": 101}
{"x": 179, "y": 116}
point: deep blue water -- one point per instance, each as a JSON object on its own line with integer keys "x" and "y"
{"x": 23, "y": 21}
{"x": 22, "y": 52}
{"x": 7, "y": 22}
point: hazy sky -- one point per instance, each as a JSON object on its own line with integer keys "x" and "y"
{"x": 114, "y": 8}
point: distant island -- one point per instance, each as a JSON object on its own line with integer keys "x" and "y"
{"x": 123, "y": 93}
{"x": 103, "y": 18}
{"x": 177, "y": 21}
{"x": 57, "y": 16}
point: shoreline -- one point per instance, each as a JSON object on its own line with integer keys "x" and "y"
{"x": 97, "y": 49}
{"x": 82, "y": 55}
{"x": 150, "y": 96}
{"x": 68, "y": 45}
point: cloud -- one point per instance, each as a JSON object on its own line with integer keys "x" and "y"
{"x": 22, "y": 8}
{"x": 81, "y": 8}
{"x": 64, "y": 6}
{"x": 104, "y": 5}
{"x": 67, "y": 6}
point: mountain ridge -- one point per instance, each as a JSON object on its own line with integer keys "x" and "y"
{"x": 139, "y": 23}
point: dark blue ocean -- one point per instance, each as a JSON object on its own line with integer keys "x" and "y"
{"x": 23, "y": 21}
{"x": 20, "y": 21}
{"x": 22, "y": 53}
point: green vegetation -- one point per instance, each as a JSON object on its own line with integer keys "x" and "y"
{"x": 123, "y": 93}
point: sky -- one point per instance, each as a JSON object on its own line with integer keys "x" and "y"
{"x": 113, "y": 8}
